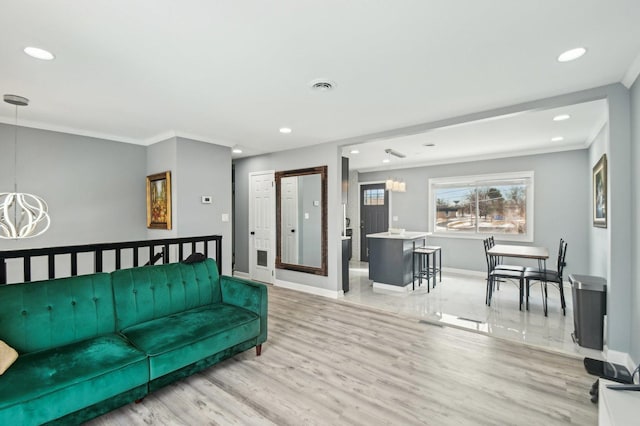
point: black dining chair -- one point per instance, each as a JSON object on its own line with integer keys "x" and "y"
{"x": 499, "y": 264}
{"x": 494, "y": 275}
{"x": 548, "y": 276}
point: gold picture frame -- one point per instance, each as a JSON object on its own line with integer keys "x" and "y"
{"x": 600, "y": 193}
{"x": 159, "y": 201}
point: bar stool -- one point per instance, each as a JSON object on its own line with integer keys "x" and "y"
{"x": 427, "y": 267}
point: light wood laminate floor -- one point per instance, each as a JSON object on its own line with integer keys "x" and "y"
{"x": 330, "y": 363}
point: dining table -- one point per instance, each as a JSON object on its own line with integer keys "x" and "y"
{"x": 540, "y": 254}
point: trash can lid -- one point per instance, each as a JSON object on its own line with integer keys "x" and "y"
{"x": 588, "y": 282}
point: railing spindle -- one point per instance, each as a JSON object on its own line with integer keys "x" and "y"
{"x": 26, "y": 267}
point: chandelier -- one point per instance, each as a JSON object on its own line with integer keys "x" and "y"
{"x": 22, "y": 215}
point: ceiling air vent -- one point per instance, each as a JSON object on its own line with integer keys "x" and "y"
{"x": 322, "y": 85}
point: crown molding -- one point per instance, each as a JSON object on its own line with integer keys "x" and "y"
{"x": 70, "y": 130}
{"x": 632, "y": 73}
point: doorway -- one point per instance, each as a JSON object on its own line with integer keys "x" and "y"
{"x": 262, "y": 210}
{"x": 374, "y": 214}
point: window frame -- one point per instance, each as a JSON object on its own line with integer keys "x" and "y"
{"x": 483, "y": 180}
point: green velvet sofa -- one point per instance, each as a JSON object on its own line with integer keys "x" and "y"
{"x": 91, "y": 343}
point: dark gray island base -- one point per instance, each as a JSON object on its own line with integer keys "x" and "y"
{"x": 390, "y": 259}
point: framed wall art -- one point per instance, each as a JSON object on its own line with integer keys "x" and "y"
{"x": 600, "y": 192}
{"x": 159, "y": 201}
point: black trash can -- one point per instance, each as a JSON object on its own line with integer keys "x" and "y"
{"x": 589, "y": 308}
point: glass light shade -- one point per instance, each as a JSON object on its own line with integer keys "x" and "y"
{"x": 402, "y": 187}
{"x": 396, "y": 185}
{"x": 389, "y": 184}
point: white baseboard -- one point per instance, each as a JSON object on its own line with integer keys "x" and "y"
{"x": 309, "y": 289}
{"x": 397, "y": 288}
{"x": 621, "y": 358}
{"x": 481, "y": 274}
{"x": 241, "y": 275}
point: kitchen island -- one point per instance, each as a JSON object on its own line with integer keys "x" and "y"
{"x": 391, "y": 258}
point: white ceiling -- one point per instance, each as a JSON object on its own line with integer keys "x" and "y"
{"x": 234, "y": 72}
{"x": 529, "y": 132}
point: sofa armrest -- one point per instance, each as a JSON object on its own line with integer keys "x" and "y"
{"x": 249, "y": 295}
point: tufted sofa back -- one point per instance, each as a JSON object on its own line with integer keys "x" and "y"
{"x": 150, "y": 292}
{"x": 47, "y": 314}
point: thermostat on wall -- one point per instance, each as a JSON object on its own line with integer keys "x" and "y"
{"x": 206, "y": 199}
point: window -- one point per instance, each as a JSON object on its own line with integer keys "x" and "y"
{"x": 499, "y": 204}
{"x": 374, "y": 197}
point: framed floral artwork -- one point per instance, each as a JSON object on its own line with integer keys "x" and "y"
{"x": 159, "y": 201}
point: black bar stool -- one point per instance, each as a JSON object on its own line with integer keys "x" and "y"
{"x": 429, "y": 262}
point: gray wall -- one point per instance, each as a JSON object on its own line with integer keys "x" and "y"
{"x": 352, "y": 213}
{"x": 619, "y": 221}
{"x": 162, "y": 157}
{"x": 635, "y": 213}
{"x": 204, "y": 169}
{"x": 599, "y": 238}
{"x": 561, "y": 189}
{"x": 197, "y": 169}
{"x": 620, "y": 201}
{"x": 95, "y": 188}
{"x": 318, "y": 155}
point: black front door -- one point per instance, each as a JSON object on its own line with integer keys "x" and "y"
{"x": 374, "y": 214}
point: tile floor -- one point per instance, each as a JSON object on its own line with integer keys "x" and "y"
{"x": 459, "y": 301}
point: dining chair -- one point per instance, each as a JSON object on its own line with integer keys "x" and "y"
{"x": 494, "y": 274}
{"x": 548, "y": 276}
{"x": 499, "y": 265}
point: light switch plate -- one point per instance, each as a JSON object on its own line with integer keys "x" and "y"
{"x": 395, "y": 218}
{"x": 225, "y": 217}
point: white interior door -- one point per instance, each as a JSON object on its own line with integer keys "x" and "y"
{"x": 262, "y": 226}
{"x": 290, "y": 230}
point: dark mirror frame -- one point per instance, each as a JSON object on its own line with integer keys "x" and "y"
{"x": 322, "y": 171}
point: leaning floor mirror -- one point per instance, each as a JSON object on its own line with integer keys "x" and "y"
{"x": 301, "y": 220}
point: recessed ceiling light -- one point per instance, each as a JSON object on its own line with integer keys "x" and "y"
{"x": 354, "y": 151}
{"x": 285, "y": 130}
{"x": 36, "y": 52}
{"x": 561, "y": 117}
{"x": 557, "y": 139}
{"x": 386, "y": 160}
{"x": 572, "y": 54}
{"x": 236, "y": 150}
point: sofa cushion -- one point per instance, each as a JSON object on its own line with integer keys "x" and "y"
{"x": 45, "y": 385}
{"x": 46, "y": 314}
{"x": 183, "y": 338}
{"x": 150, "y": 292}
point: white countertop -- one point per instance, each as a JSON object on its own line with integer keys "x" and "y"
{"x": 407, "y": 235}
